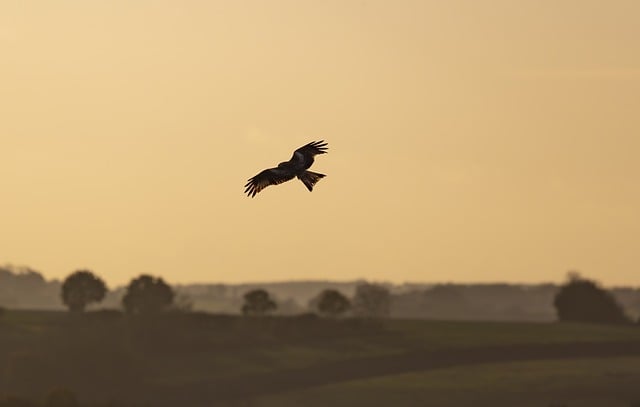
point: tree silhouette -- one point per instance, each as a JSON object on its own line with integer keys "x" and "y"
{"x": 147, "y": 295}
{"x": 82, "y": 288}
{"x": 332, "y": 303}
{"x": 258, "y": 302}
{"x": 582, "y": 300}
{"x": 372, "y": 301}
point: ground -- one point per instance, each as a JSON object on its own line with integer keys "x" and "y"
{"x": 205, "y": 360}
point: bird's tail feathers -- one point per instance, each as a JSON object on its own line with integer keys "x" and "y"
{"x": 310, "y": 178}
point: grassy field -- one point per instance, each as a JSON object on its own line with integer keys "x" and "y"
{"x": 200, "y": 359}
{"x": 586, "y": 382}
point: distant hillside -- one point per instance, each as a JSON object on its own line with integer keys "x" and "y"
{"x": 24, "y": 288}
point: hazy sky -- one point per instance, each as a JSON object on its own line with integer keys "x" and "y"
{"x": 493, "y": 140}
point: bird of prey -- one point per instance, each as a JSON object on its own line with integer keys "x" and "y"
{"x": 296, "y": 167}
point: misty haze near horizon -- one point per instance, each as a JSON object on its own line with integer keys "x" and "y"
{"x": 24, "y": 288}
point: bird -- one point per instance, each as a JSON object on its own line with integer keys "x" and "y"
{"x": 297, "y": 166}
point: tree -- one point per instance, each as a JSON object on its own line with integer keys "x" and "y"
{"x": 258, "y": 302}
{"x": 147, "y": 295}
{"x": 332, "y": 303}
{"x": 82, "y": 288}
{"x": 582, "y": 300}
{"x": 372, "y": 301}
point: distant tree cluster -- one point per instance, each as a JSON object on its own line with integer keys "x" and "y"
{"x": 147, "y": 295}
{"x": 258, "y": 302}
{"x": 582, "y": 300}
{"x": 144, "y": 295}
{"x": 578, "y": 300}
{"x": 369, "y": 301}
{"x": 333, "y": 303}
{"x": 82, "y": 288}
{"x": 23, "y": 287}
{"x": 372, "y": 301}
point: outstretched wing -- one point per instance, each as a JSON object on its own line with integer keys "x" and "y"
{"x": 272, "y": 176}
{"x": 305, "y": 154}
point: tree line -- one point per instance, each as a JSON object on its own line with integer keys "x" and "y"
{"x": 578, "y": 300}
{"x": 144, "y": 294}
{"x": 25, "y": 288}
{"x": 147, "y": 294}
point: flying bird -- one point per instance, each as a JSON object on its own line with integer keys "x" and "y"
{"x": 296, "y": 167}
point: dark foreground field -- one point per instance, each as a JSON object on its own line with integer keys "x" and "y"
{"x": 209, "y": 360}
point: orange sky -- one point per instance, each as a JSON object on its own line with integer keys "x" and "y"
{"x": 469, "y": 141}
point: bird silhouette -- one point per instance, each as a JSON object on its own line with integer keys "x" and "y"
{"x": 297, "y": 166}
